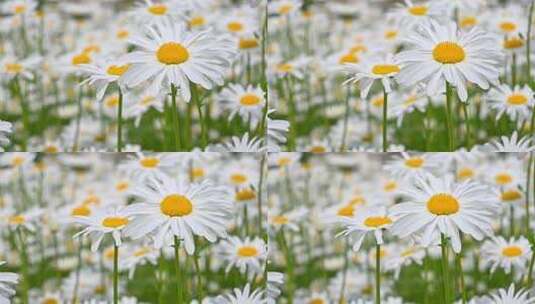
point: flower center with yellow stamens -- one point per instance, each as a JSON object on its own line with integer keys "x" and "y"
{"x": 280, "y": 220}
{"x": 82, "y": 210}
{"x": 51, "y": 149}
{"x": 316, "y": 301}
{"x": 508, "y": 27}
{"x": 283, "y": 161}
{"x": 358, "y": 48}
{"x": 247, "y": 251}
{"x": 235, "y": 26}
{"x": 511, "y": 195}
{"x": 49, "y": 301}
{"x": 114, "y": 222}
{"x": 385, "y": 69}
{"x": 391, "y": 34}
{"x": 248, "y": 43}
{"x": 357, "y": 200}
{"x": 19, "y": 8}
{"x": 348, "y": 58}
{"x": 414, "y": 162}
{"x": 16, "y": 219}
{"x": 377, "y": 221}
{"x": 17, "y": 161}
{"x": 142, "y": 251}
{"x": 92, "y": 199}
{"x": 149, "y": 162}
{"x": 503, "y": 178}
{"x": 512, "y": 251}
{"x": 517, "y": 100}
{"x": 172, "y": 53}
{"x": 112, "y": 101}
{"x": 348, "y": 211}
{"x": 443, "y": 204}
{"x": 82, "y": 58}
{"x": 157, "y": 9}
{"x": 197, "y": 21}
{"x": 410, "y": 101}
{"x": 285, "y": 67}
{"x": 176, "y": 205}
{"x": 448, "y": 53}
{"x": 418, "y": 10}
{"x": 249, "y": 99}
{"x": 245, "y": 195}
{"x": 117, "y": 70}
{"x": 197, "y": 172}
{"x": 238, "y": 178}
{"x": 93, "y": 48}
{"x": 468, "y": 21}
{"x": 390, "y": 186}
{"x": 513, "y": 43}
{"x": 465, "y": 173}
{"x": 317, "y": 149}
{"x": 408, "y": 252}
{"x": 378, "y": 102}
{"x": 121, "y": 186}
{"x": 122, "y": 34}
{"x": 13, "y": 68}
{"x": 285, "y": 9}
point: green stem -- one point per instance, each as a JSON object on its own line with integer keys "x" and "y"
{"x": 528, "y": 183}
{"x": 120, "y": 123}
{"x": 291, "y": 115}
{"x": 458, "y": 260}
{"x": 24, "y": 267}
{"x": 467, "y": 122}
{"x": 513, "y": 72}
{"x": 344, "y": 275}
{"x": 445, "y": 271}
{"x": 529, "y": 281}
{"x": 177, "y": 270}
{"x": 174, "y": 114}
{"x": 77, "y": 275}
{"x": 346, "y": 120}
{"x": 449, "y": 123}
{"x": 528, "y": 44}
{"x": 377, "y": 274}
{"x": 260, "y": 193}
{"x": 115, "y": 274}
{"x": 385, "y": 120}
{"x": 198, "y": 102}
{"x": 78, "y": 120}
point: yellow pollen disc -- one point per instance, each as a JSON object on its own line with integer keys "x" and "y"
{"x": 283, "y": 161}
{"x": 81, "y": 211}
{"x": 149, "y": 162}
{"x": 176, "y": 205}
{"x": 512, "y": 251}
{"x": 390, "y": 186}
{"x": 82, "y": 58}
{"x": 238, "y": 178}
{"x": 448, "y": 53}
{"x": 513, "y": 43}
{"x": 280, "y": 220}
{"x": 348, "y": 211}
{"x": 247, "y": 251}
{"x": 13, "y": 68}
{"x": 414, "y": 162}
{"x": 285, "y": 67}
{"x": 142, "y": 251}
{"x": 172, "y": 53}
{"x": 235, "y": 26}
{"x": 49, "y": 301}
{"x": 121, "y": 186}
{"x": 385, "y": 69}
{"x": 245, "y": 195}
{"x": 112, "y": 101}
{"x": 114, "y": 222}
{"x": 19, "y": 8}
{"x": 378, "y": 101}
{"x": 51, "y": 149}
{"x": 468, "y": 22}
{"x": 503, "y": 178}
{"x": 147, "y": 100}
{"x": 465, "y": 173}
{"x": 443, "y": 204}
{"x": 517, "y": 100}
{"x": 197, "y": 21}
{"x": 92, "y": 199}
{"x": 317, "y": 149}
{"x": 508, "y": 27}
{"x": 511, "y": 195}
{"x": 357, "y": 200}
{"x": 91, "y": 49}
{"x": 410, "y": 101}
{"x": 108, "y": 253}
{"x": 391, "y": 34}
{"x": 249, "y": 99}
{"x": 248, "y": 43}
{"x": 348, "y": 58}
{"x": 285, "y": 9}
{"x": 157, "y": 9}
{"x": 418, "y": 10}
{"x": 16, "y": 219}
{"x": 358, "y": 48}
{"x": 17, "y": 161}
{"x": 408, "y": 252}
{"x": 117, "y": 70}
{"x": 316, "y": 301}
{"x": 122, "y": 34}
{"x": 377, "y": 221}
{"x": 197, "y": 173}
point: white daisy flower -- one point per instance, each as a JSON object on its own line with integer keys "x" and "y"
{"x": 367, "y": 220}
{"x": 507, "y": 254}
{"x": 274, "y": 281}
{"x": 171, "y": 207}
{"x": 517, "y": 103}
{"x": 243, "y": 144}
{"x": 408, "y": 167}
{"x": 506, "y": 173}
{"x": 410, "y": 14}
{"x": 248, "y": 102}
{"x": 441, "y": 206}
{"x": 248, "y": 255}
{"x": 513, "y": 144}
{"x": 144, "y": 166}
{"x": 441, "y": 53}
{"x": 20, "y": 7}
{"x": 170, "y": 55}
{"x": 139, "y": 102}
{"x": 5, "y": 129}
{"x": 510, "y": 296}
{"x": 7, "y": 280}
{"x": 244, "y": 296}
{"x": 151, "y": 12}
{"x": 11, "y": 66}
{"x": 406, "y": 103}
{"x": 102, "y": 73}
{"x": 276, "y": 132}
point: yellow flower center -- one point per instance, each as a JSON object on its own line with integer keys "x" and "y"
{"x": 197, "y": 172}
{"x": 17, "y": 161}
{"x": 82, "y": 58}
{"x": 348, "y": 211}
{"x": 348, "y": 58}
{"x": 280, "y": 220}
{"x": 468, "y": 21}
{"x": 465, "y": 173}
{"x": 443, "y": 204}
{"x": 13, "y": 68}
{"x": 157, "y": 9}
{"x": 117, "y": 70}
{"x": 317, "y": 149}
{"x": 508, "y": 27}
{"x": 149, "y": 162}
{"x": 114, "y": 222}
{"x": 378, "y": 102}
{"x": 283, "y": 161}
{"x": 93, "y": 48}
{"x": 51, "y": 149}
{"x": 418, "y": 10}
{"x": 122, "y": 34}
{"x": 197, "y": 21}
{"x": 49, "y": 301}
{"x": 82, "y": 210}
{"x": 377, "y": 221}
{"x": 16, "y": 219}
{"x": 235, "y": 26}
{"x": 142, "y": 251}
{"x": 316, "y": 301}
{"x": 238, "y": 178}
{"x": 249, "y": 99}
{"x": 511, "y": 195}
{"x": 112, "y": 101}
{"x": 503, "y": 178}
{"x": 176, "y": 205}
{"x": 408, "y": 252}
{"x": 513, "y": 43}
{"x": 248, "y": 43}
{"x": 358, "y": 48}
{"x": 172, "y": 53}
{"x": 517, "y": 100}
{"x": 92, "y": 199}
{"x": 245, "y": 195}
{"x": 247, "y": 251}
{"x": 390, "y": 186}
{"x": 121, "y": 186}
{"x": 285, "y": 8}
{"x": 414, "y": 162}
{"x": 512, "y": 251}
{"x": 391, "y": 34}
{"x": 385, "y": 69}
{"x": 285, "y": 67}
{"x": 448, "y": 53}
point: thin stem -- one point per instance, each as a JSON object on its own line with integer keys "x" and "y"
{"x": 528, "y": 183}
{"x": 78, "y": 120}
{"x": 24, "y": 265}
{"x": 467, "y": 122}
{"x": 177, "y": 270}
{"x": 260, "y": 193}
{"x": 344, "y": 276}
{"x": 445, "y": 273}
{"x": 346, "y": 119}
{"x": 174, "y": 114}
{"x": 529, "y": 281}
{"x": 198, "y": 102}
{"x": 377, "y": 274}
{"x": 385, "y": 120}
{"x": 458, "y": 260}
{"x": 115, "y": 274}
{"x": 449, "y": 123}
{"x": 120, "y": 122}
{"x": 513, "y": 71}
{"x": 528, "y": 44}
{"x": 291, "y": 114}
{"x": 77, "y": 276}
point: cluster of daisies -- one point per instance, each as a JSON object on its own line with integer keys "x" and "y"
{"x": 368, "y": 75}
{"x": 402, "y": 228}
{"x": 132, "y": 228}
{"x": 133, "y": 75}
